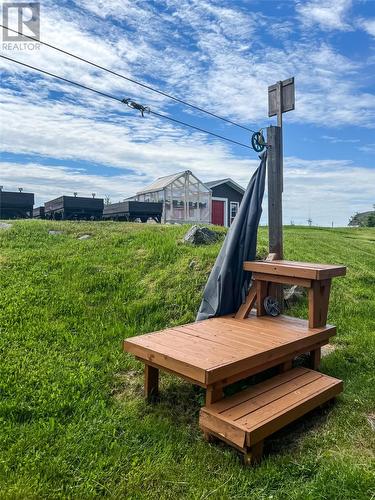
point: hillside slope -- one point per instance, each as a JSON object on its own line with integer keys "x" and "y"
{"x": 73, "y": 420}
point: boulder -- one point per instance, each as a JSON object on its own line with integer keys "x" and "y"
{"x": 5, "y": 225}
{"x": 293, "y": 294}
{"x": 371, "y": 420}
{"x": 200, "y": 236}
{"x": 55, "y": 232}
{"x": 84, "y": 237}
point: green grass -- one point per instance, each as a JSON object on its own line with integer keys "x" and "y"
{"x": 73, "y": 422}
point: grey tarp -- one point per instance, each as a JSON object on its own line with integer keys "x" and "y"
{"x": 228, "y": 283}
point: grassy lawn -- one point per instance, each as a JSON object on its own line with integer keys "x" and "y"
{"x": 73, "y": 422}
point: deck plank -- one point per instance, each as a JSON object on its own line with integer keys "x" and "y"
{"x": 264, "y": 329}
{"x": 254, "y": 405}
{"x": 224, "y": 339}
{"x": 227, "y": 404}
{"x": 220, "y": 372}
{"x": 186, "y": 348}
{"x": 167, "y": 360}
{"x": 227, "y": 333}
{"x": 282, "y": 404}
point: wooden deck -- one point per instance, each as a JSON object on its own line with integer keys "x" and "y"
{"x": 220, "y": 351}
{"x": 246, "y": 418}
{"x": 226, "y": 349}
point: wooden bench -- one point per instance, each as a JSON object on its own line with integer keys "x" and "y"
{"x": 315, "y": 277}
{"x": 246, "y": 418}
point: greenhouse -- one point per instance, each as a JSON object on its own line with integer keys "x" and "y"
{"x": 185, "y": 198}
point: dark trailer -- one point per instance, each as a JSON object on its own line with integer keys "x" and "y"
{"x": 38, "y": 213}
{"x": 16, "y": 205}
{"x": 132, "y": 210}
{"x": 74, "y": 208}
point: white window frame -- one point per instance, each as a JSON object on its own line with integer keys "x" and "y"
{"x": 225, "y": 200}
{"x": 233, "y": 203}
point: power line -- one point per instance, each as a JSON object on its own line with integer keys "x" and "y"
{"x": 148, "y": 87}
{"x": 62, "y": 78}
{"x": 201, "y": 130}
{"x": 109, "y": 96}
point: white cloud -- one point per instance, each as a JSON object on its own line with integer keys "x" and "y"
{"x": 339, "y": 140}
{"x": 225, "y": 67}
{"x": 368, "y": 25}
{"x": 328, "y": 15}
{"x": 368, "y": 148}
{"x": 50, "y": 181}
{"x": 145, "y": 145}
{"x": 326, "y": 190}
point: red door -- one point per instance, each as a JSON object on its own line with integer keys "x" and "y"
{"x": 218, "y": 212}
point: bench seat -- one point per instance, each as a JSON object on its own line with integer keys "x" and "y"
{"x": 303, "y": 270}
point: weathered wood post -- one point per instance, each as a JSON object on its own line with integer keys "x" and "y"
{"x": 281, "y": 98}
{"x": 275, "y": 188}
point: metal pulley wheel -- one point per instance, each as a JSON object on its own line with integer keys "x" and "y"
{"x": 272, "y": 306}
{"x": 257, "y": 141}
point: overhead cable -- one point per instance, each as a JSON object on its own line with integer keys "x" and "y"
{"x": 135, "y": 105}
{"x": 148, "y": 87}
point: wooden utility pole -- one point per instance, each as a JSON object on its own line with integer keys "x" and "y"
{"x": 280, "y": 124}
{"x": 275, "y": 189}
{"x": 281, "y": 98}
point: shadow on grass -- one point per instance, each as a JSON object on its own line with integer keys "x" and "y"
{"x": 178, "y": 400}
{"x": 289, "y": 438}
{"x": 127, "y": 384}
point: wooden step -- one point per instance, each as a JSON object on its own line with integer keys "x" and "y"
{"x": 246, "y": 418}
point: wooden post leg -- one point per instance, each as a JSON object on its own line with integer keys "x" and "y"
{"x": 151, "y": 382}
{"x": 253, "y": 454}
{"x": 287, "y": 365}
{"x": 213, "y": 394}
{"x": 318, "y": 303}
{"x": 208, "y": 437}
{"x": 315, "y": 358}
{"x": 261, "y": 289}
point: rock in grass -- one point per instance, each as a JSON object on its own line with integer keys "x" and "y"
{"x": 55, "y": 232}
{"x": 84, "y": 237}
{"x": 5, "y": 225}
{"x": 327, "y": 349}
{"x": 371, "y": 420}
{"x": 293, "y": 294}
{"x": 304, "y": 359}
{"x": 200, "y": 236}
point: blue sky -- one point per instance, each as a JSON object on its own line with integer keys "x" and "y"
{"x": 218, "y": 54}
